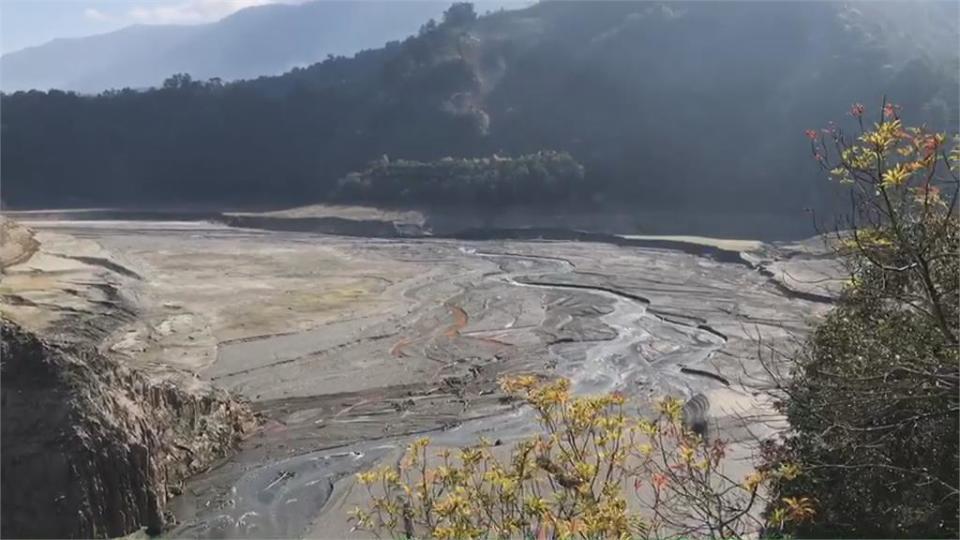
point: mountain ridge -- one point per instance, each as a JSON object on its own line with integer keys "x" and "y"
{"x": 685, "y": 107}
{"x": 258, "y": 40}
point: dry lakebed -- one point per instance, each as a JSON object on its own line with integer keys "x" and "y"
{"x": 349, "y": 346}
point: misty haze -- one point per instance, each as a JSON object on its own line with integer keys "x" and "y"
{"x": 511, "y": 269}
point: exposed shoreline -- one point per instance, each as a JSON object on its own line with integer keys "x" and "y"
{"x": 451, "y": 221}
{"x": 348, "y": 345}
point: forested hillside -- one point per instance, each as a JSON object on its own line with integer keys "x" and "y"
{"x": 654, "y": 100}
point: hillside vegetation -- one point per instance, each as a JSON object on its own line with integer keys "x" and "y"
{"x": 626, "y": 88}
{"x": 544, "y": 177}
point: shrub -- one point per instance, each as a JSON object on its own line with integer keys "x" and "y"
{"x": 575, "y": 479}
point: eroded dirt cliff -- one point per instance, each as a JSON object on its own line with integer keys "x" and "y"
{"x": 92, "y": 448}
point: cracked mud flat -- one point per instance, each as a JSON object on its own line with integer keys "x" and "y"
{"x": 350, "y": 346}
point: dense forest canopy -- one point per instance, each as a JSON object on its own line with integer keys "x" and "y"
{"x": 654, "y": 100}
{"x": 533, "y": 179}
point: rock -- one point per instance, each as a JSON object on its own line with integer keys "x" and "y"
{"x": 17, "y": 243}
{"x": 696, "y": 414}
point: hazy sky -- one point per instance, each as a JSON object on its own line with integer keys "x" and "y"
{"x": 24, "y": 23}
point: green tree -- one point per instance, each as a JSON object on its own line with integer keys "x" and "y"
{"x": 873, "y": 400}
{"x": 459, "y": 14}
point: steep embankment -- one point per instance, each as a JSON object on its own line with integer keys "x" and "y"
{"x": 92, "y": 445}
{"x": 92, "y": 448}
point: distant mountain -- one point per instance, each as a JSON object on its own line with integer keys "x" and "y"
{"x": 261, "y": 40}
{"x": 680, "y": 107}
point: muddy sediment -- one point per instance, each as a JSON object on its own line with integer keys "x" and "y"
{"x": 348, "y": 346}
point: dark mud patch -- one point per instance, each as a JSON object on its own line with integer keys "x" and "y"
{"x": 105, "y": 263}
{"x": 702, "y": 373}
{"x": 324, "y": 225}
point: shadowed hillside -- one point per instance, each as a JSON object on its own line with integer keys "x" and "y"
{"x": 654, "y": 100}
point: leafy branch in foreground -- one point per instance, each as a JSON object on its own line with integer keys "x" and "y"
{"x": 904, "y": 187}
{"x": 593, "y": 471}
